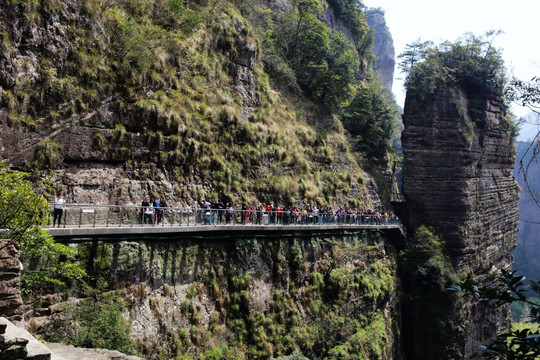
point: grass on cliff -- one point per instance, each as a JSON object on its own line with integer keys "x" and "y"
{"x": 207, "y": 121}
{"x": 325, "y": 309}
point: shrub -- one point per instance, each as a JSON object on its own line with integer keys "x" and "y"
{"x": 93, "y": 324}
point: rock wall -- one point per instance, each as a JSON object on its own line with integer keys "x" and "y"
{"x": 10, "y": 281}
{"x": 186, "y": 117}
{"x": 330, "y": 294}
{"x": 458, "y": 160}
{"x": 383, "y": 47}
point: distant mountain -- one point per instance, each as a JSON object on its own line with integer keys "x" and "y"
{"x": 529, "y": 129}
{"x": 526, "y": 253}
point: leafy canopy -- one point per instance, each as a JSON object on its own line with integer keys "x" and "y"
{"x": 300, "y": 48}
{"x": 370, "y": 118}
{"x": 430, "y": 67}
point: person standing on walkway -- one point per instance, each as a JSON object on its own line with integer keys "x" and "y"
{"x": 157, "y": 209}
{"x": 58, "y": 209}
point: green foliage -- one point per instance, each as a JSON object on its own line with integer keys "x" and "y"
{"x": 352, "y": 13}
{"x": 22, "y": 212}
{"x": 93, "y": 324}
{"x": 192, "y": 108}
{"x": 324, "y": 62}
{"x": 430, "y": 68}
{"x": 295, "y": 355}
{"x": 370, "y": 118}
{"x": 523, "y": 341}
{"x": 426, "y": 260}
{"x": 426, "y": 272}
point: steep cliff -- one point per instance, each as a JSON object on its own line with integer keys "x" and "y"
{"x": 123, "y": 100}
{"x": 327, "y": 295}
{"x": 458, "y": 160}
{"x": 383, "y": 47}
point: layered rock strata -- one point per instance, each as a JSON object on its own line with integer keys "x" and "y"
{"x": 19, "y": 344}
{"x": 458, "y": 160}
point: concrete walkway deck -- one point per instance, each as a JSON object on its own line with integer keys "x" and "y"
{"x": 60, "y": 233}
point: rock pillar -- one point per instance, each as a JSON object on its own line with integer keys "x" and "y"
{"x": 458, "y": 161}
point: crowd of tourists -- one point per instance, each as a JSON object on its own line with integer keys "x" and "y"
{"x": 217, "y": 213}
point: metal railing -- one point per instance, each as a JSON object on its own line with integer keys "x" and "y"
{"x": 91, "y": 215}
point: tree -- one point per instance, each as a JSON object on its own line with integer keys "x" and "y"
{"x": 324, "y": 61}
{"x": 414, "y": 53}
{"x": 370, "y": 119}
{"x": 431, "y": 68}
{"x": 22, "y": 213}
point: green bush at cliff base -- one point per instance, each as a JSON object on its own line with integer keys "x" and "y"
{"x": 22, "y": 213}
{"x": 93, "y": 324}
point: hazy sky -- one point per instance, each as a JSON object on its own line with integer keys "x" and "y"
{"x": 438, "y": 21}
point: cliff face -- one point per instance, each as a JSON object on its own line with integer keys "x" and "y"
{"x": 458, "y": 160}
{"x": 331, "y": 295}
{"x": 119, "y": 111}
{"x": 10, "y": 281}
{"x": 383, "y": 47}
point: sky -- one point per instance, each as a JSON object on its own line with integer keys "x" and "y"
{"x": 409, "y": 20}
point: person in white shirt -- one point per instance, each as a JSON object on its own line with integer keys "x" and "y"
{"x": 58, "y": 209}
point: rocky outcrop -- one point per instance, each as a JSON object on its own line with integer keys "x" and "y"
{"x": 19, "y": 344}
{"x": 458, "y": 160}
{"x": 383, "y": 47}
{"x": 10, "y": 281}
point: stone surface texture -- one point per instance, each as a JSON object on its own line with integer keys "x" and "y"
{"x": 10, "y": 281}
{"x": 383, "y": 47}
{"x": 70, "y": 352}
{"x": 458, "y": 161}
{"x": 114, "y": 170}
{"x": 19, "y": 344}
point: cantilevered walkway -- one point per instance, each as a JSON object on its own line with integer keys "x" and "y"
{"x": 88, "y": 221}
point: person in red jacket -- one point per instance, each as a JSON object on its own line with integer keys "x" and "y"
{"x": 279, "y": 214}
